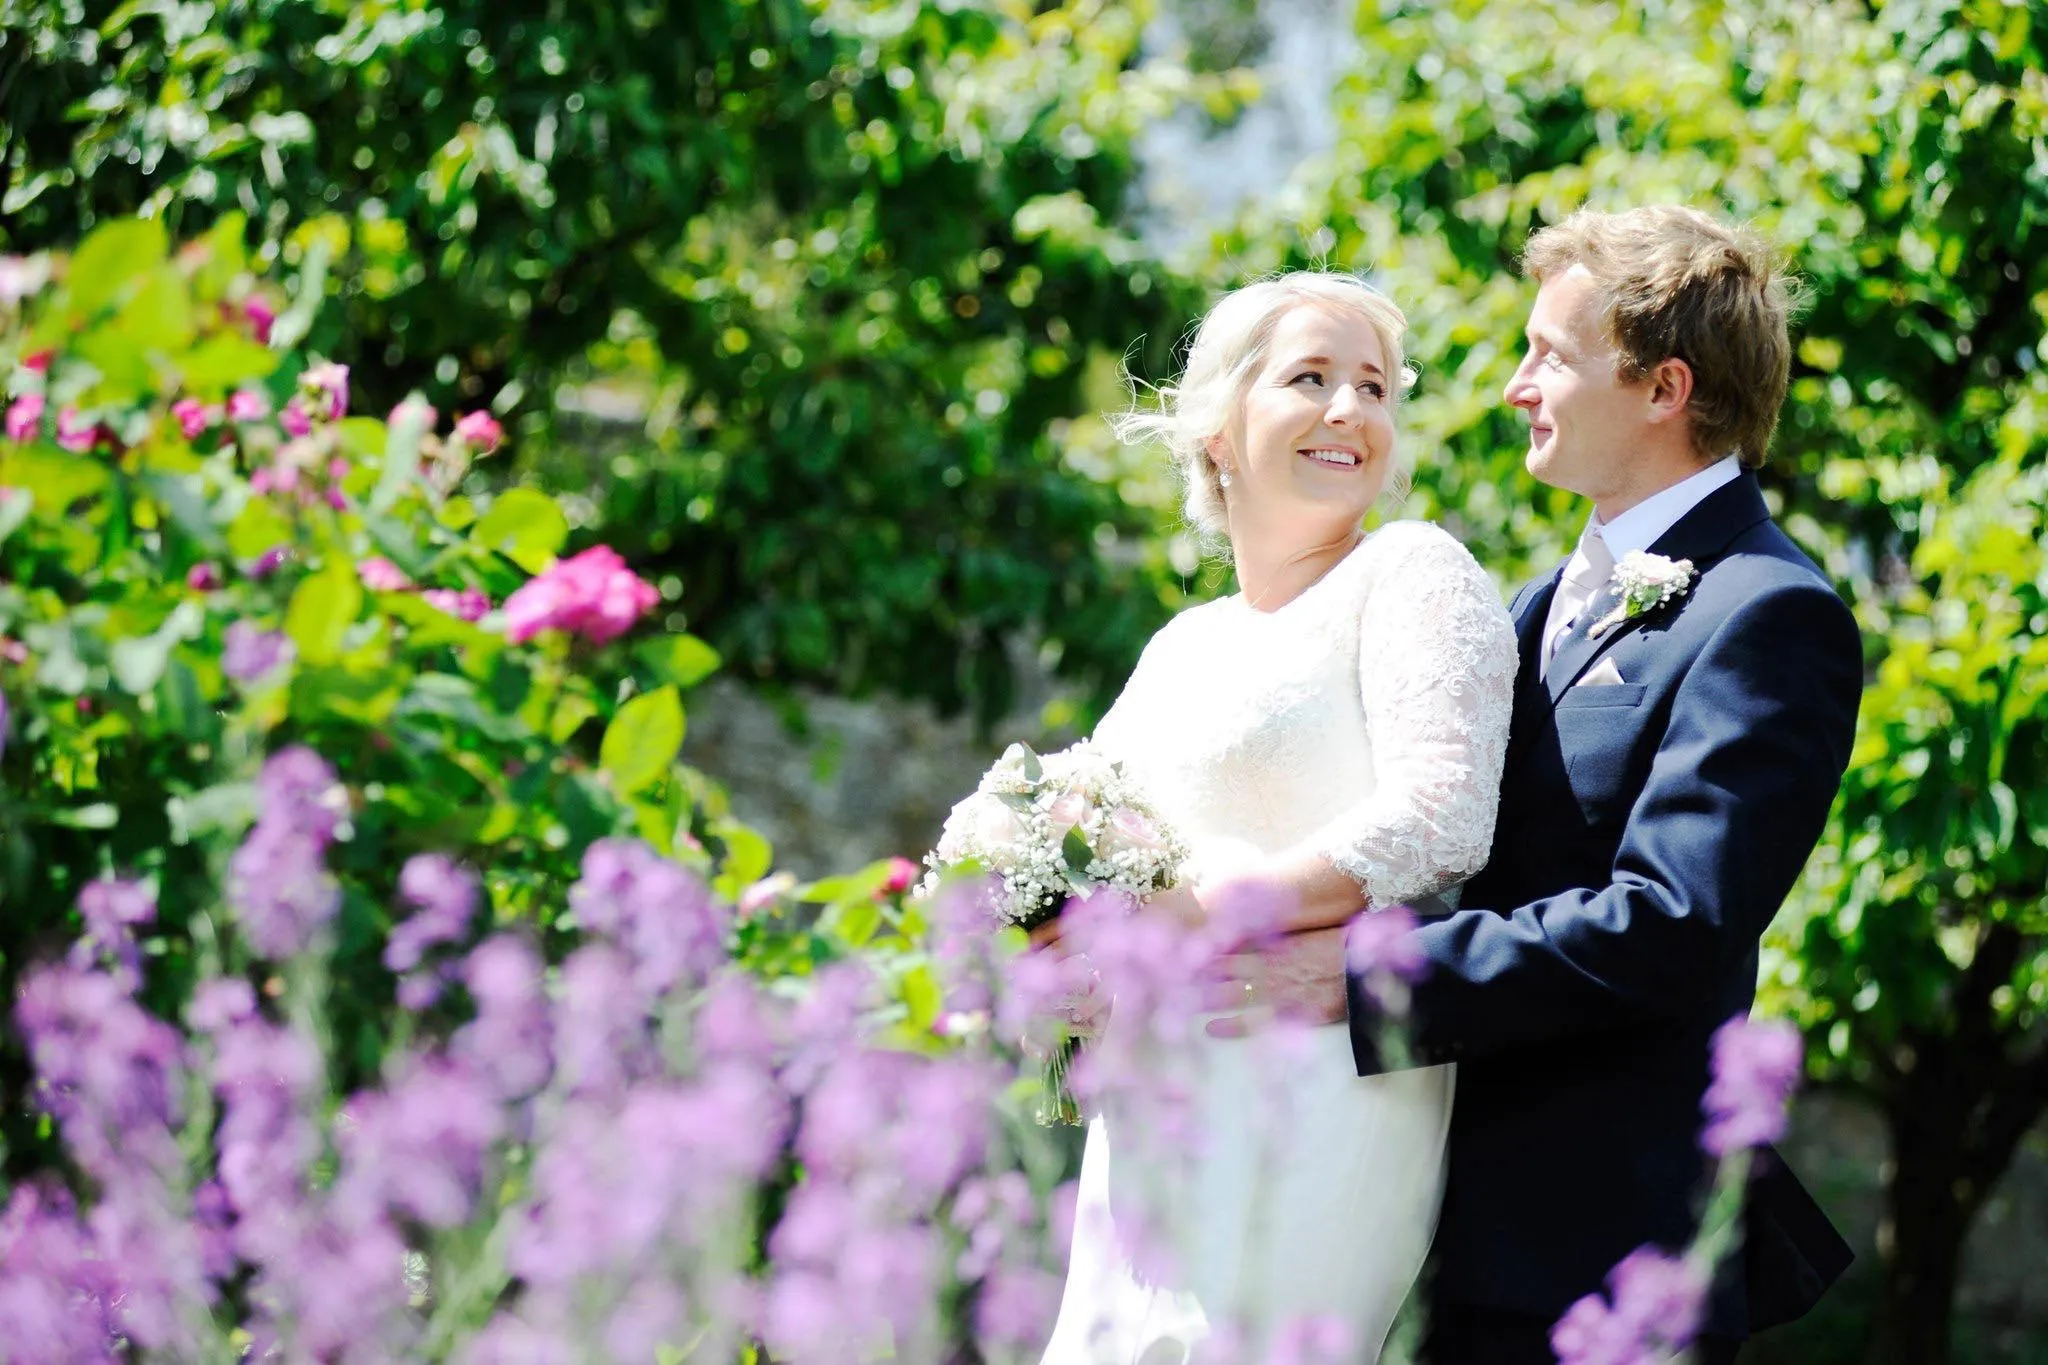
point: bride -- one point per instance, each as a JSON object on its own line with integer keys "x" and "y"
{"x": 1337, "y": 727}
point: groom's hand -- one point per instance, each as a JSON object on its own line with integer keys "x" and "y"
{"x": 1299, "y": 977}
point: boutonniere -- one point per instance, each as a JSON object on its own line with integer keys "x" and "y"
{"x": 1647, "y": 582}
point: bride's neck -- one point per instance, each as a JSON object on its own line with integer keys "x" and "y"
{"x": 1271, "y": 576}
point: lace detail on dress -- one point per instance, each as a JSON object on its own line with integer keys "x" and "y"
{"x": 1436, "y": 675}
{"x": 1365, "y": 720}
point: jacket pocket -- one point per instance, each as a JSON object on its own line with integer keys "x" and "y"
{"x": 1601, "y": 694}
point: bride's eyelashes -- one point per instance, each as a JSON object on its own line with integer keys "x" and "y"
{"x": 1371, "y": 386}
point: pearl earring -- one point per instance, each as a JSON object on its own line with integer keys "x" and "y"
{"x": 1224, "y": 478}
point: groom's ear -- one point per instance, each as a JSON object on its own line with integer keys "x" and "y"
{"x": 1670, "y": 388}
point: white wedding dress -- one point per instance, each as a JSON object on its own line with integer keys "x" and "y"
{"x": 1367, "y": 720}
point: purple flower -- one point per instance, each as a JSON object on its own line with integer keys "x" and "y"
{"x": 56, "y": 1292}
{"x": 1016, "y": 1308}
{"x": 249, "y": 652}
{"x": 278, "y": 883}
{"x": 445, "y": 894}
{"x": 509, "y": 1040}
{"x": 416, "y": 1150}
{"x": 295, "y": 419}
{"x": 266, "y": 563}
{"x": 1658, "y": 1302}
{"x": 1757, "y": 1066}
{"x": 260, "y": 317}
{"x": 381, "y": 575}
{"x": 220, "y": 1003}
{"x": 267, "y": 1078}
{"x": 1312, "y": 1340}
{"x": 659, "y": 911}
{"x": 1380, "y": 947}
{"x": 203, "y": 577}
{"x": 111, "y": 908}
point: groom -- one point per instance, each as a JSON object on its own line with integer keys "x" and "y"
{"x": 1668, "y": 771}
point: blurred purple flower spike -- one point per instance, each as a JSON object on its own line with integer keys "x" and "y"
{"x": 1379, "y": 946}
{"x": 1757, "y": 1066}
{"x": 1658, "y": 1302}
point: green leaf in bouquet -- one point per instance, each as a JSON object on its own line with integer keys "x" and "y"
{"x": 1026, "y": 759}
{"x": 323, "y": 607}
{"x": 525, "y": 526}
{"x": 1074, "y": 848}
{"x": 1016, "y": 801}
{"x": 643, "y": 739}
{"x": 111, "y": 257}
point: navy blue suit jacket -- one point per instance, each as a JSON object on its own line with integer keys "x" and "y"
{"x": 1648, "y": 832}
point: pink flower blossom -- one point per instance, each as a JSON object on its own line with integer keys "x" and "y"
{"x": 39, "y": 362}
{"x": 381, "y": 575}
{"x": 481, "y": 430}
{"x": 592, "y": 594}
{"x": 902, "y": 876}
{"x": 295, "y": 420}
{"x": 24, "y": 415}
{"x": 415, "y": 405}
{"x": 194, "y": 417}
{"x": 261, "y": 318}
{"x": 266, "y": 563}
{"x": 326, "y": 388}
{"x": 203, "y": 577}
{"x": 76, "y": 432}
{"x": 248, "y": 405}
{"x": 470, "y": 604}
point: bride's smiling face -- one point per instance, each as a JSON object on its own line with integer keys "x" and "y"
{"x": 1314, "y": 439}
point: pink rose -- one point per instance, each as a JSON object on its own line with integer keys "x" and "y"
{"x": 470, "y": 604}
{"x": 248, "y": 405}
{"x": 902, "y": 876}
{"x": 425, "y": 410}
{"x": 294, "y": 419}
{"x": 1133, "y": 829}
{"x": 39, "y": 362}
{"x": 592, "y": 594}
{"x": 481, "y": 430}
{"x": 75, "y": 432}
{"x": 326, "y": 387}
{"x": 381, "y": 575}
{"x": 194, "y": 417}
{"x": 1067, "y": 811}
{"x": 24, "y": 415}
{"x": 261, "y": 318}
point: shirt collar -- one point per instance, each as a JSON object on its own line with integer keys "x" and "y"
{"x": 1644, "y": 524}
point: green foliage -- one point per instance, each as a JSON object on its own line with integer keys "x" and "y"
{"x": 846, "y": 259}
{"x": 133, "y": 732}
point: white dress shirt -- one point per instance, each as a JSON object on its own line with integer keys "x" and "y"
{"x": 1636, "y": 529}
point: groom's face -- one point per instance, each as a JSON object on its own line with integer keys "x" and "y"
{"x": 1585, "y": 425}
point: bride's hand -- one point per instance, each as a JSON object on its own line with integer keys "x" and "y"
{"x": 1178, "y": 903}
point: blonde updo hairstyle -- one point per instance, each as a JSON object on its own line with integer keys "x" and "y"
{"x": 1229, "y": 350}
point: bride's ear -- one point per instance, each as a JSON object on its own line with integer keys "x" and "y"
{"x": 1218, "y": 448}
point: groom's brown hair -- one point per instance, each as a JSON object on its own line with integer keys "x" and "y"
{"x": 1675, "y": 283}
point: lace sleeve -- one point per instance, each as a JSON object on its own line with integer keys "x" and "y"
{"x": 1436, "y": 674}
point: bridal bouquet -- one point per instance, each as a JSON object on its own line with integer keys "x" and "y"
{"x": 1047, "y": 828}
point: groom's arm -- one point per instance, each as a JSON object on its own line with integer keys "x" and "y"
{"x": 1738, "y": 792}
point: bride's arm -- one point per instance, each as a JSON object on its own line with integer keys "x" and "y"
{"x": 1436, "y": 676}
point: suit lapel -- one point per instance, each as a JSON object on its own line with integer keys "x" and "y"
{"x": 1700, "y": 535}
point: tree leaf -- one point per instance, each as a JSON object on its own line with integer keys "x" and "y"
{"x": 643, "y": 740}
{"x": 525, "y": 526}
{"x": 113, "y": 255}
{"x": 683, "y": 660}
{"x": 323, "y": 607}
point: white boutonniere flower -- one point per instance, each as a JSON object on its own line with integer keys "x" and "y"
{"x": 1647, "y": 582}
